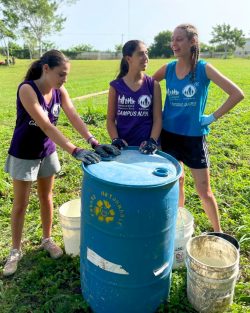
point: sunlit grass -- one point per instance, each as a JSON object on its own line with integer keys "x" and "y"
{"x": 41, "y": 283}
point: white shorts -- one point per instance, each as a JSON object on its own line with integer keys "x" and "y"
{"x": 30, "y": 170}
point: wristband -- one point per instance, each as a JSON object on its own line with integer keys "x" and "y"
{"x": 88, "y": 140}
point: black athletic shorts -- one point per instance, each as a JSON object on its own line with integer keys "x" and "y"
{"x": 191, "y": 150}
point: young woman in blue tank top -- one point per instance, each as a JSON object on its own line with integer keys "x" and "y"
{"x": 134, "y": 104}
{"x": 184, "y": 122}
{"x": 32, "y": 153}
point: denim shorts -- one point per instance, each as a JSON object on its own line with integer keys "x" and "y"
{"x": 30, "y": 170}
{"x": 191, "y": 150}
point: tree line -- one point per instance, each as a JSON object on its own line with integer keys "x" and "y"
{"x": 35, "y": 21}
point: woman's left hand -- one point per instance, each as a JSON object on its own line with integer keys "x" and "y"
{"x": 148, "y": 146}
{"x": 207, "y": 119}
{"x": 106, "y": 150}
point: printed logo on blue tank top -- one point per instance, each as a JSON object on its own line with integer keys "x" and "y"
{"x": 189, "y": 91}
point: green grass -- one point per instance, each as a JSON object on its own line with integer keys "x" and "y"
{"x": 42, "y": 285}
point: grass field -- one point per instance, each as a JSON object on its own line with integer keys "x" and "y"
{"x": 43, "y": 285}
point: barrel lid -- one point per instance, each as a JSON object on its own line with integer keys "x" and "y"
{"x": 134, "y": 169}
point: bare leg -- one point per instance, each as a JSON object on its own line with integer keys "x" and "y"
{"x": 44, "y": 188}
{"x": 202, "y": 184}
{"x": 20, "y": 203}
{"x": 181, "y": 188}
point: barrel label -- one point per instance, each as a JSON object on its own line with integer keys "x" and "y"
{"x": 104, "y": 264}
{"x": 106, "y": 208}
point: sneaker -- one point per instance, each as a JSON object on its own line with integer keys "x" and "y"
{"x": 10, "y": 266}
{"x": 49, "y": 245}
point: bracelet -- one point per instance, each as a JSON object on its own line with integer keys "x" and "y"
{"x": 88, "y": 140}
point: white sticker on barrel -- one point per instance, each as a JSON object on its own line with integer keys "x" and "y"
{"x": 161, "y": 269}
{"x": 104, "y": 264}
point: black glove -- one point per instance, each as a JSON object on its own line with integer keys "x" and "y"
{"x": 148, "y": 146}
{"x": 119, "y": 143}
{"x": 86, "y": 156}
{"x": 106, "y": 150}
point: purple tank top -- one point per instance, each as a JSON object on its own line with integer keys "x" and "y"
{"x": 29, "y": 141}
{"x": 134, "y": 111}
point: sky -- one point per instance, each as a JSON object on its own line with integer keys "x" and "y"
{"x": 104, "y": 24}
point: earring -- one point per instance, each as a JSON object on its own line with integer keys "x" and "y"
{"x": 193, "y": 49}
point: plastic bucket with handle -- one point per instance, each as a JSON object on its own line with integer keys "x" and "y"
{"x": 70, "y": 215}
{"x": 212, "y": 271}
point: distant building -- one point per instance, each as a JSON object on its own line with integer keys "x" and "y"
{"x": 245, "y": 51}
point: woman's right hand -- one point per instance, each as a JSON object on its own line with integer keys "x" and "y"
{"x": 86, "y": 156}
{"x": 119, "y": 143}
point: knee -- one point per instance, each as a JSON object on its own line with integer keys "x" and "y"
{"x": 45, "y": 198}
{"x": 206, "y": 195}
{"x": 20, "y": 208}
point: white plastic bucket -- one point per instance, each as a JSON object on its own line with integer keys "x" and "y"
{"x": 184, "y": 231}
{"x": 212, "y": 271}
{"x": 70, "y": 215}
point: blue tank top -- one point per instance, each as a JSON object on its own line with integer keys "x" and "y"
{"x": 29, "y": 141}
{"x": 185, "y": 101}
{"x": 134, "y": 110}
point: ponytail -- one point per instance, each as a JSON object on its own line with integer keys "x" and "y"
{"x": 124, "y": 67}
{"x": 127, "y": 50}
{"x": 195, "y": 52}
{"x": 35, "y": 71}
{"x": 53, "y": 58}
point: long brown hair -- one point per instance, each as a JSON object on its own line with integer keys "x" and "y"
{"x": 53, "y": 58}
{"x": 127, "y": 50}
{"x": 192, "y": 32}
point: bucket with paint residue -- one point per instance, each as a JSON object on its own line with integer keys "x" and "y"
{"x": 212, "y": 270}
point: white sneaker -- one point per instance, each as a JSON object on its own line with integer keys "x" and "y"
{"x": 10, "y": 266}
{"x": 49, "y": 245}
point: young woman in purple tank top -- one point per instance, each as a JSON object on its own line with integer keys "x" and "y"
{"x": 32, "y": 155}
{"x": 134, "y": 115}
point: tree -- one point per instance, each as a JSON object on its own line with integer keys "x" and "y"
{"x": 36, "y": 19}
{"x": 82, "y": 48}
{"x": 161, "y": 45}
{"x": 7, "y": 23}
{"x": 229, "y": 38}
{"x": 118, "y": 47}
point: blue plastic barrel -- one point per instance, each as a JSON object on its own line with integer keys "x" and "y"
{"x": 129, "y": 211}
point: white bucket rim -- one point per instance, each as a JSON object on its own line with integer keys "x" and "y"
{"x": 189, "y": 216}
{"x": 65, "y": 205}
{"x": 224, "y": 268}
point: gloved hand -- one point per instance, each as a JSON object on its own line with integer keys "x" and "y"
{"x": 106, "y": 150}
{"x": 119, "y": 143}
{"x": 86, "y": 156}
{"x": 148, "y": 146}
{"x": 207, "y": 119}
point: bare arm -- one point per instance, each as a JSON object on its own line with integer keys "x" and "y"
{"x": 73, "y": 116}
{"x": 157, "y": 112}
{"x": 160, "y": 74}
{"x": 234, "y": 92}
{"x": 30, "y": 102}
{"x": 111, "y": 125}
